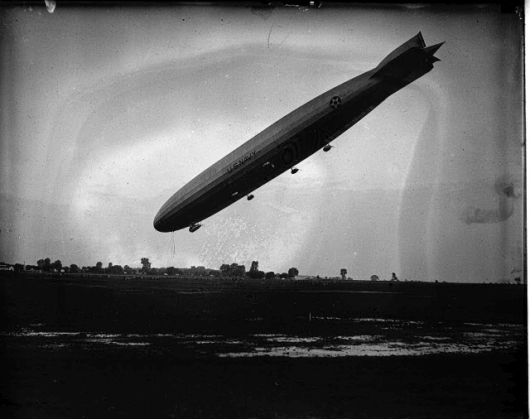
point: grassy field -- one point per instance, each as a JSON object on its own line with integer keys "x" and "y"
{"x": 53, "y": 365}
{"x": 145, "y": 303}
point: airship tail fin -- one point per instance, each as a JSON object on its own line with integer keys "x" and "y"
{"x": 416, "y": 41}
{"x": 408, "y": 55}
{"x": 431, "y": 50}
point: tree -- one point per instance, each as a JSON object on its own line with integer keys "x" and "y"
{"x": 254, "y": 272}
{"x": 99, "y": 267}
{"x": 44, "y": 264}
{"x": 374, "y": 278}
{"x": 116, "y": 269}
{"x": 343, "y": 273}
{"x": 197, "y": 271}
{"x": 146, "y": 265}
{"x": 270, "y": 275}
{"x": 237, "y": 270}
{"x": 233, "y": 270}
{"x": 292, "y": 272}
{"x": 74, "y": 268}
{"x": 225, "y": 269}
{"x": 57, "y": 265}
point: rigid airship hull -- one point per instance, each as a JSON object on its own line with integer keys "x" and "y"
{"x": 293, "y": 138}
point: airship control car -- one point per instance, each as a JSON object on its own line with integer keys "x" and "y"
{"x": 293, "y": 138}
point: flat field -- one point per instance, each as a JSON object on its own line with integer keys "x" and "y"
{"x": 76, "y": 346}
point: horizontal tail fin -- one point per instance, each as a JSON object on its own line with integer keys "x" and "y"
{"x": 432, "y": 49}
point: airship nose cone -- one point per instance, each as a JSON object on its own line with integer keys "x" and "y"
{"x": 157, "y": 222}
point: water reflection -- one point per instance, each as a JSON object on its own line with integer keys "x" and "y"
{"x": 382, "y": 337}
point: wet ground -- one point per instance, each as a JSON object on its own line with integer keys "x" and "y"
{"x": 367, "y": 337}
{"x": 86, "y": 347}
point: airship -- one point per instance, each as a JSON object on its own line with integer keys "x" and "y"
{"x": 293, "y": 138}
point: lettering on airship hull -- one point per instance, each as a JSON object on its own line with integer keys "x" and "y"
{"x": 241, "y": 162}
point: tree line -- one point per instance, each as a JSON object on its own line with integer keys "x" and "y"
{"x": 238, "y": 271}
{"x": 233, "y": 270}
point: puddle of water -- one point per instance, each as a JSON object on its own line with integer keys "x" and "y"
{"x": 493, "y": 331}
{"x": 326, "y": 318}
{"x": 118, "y": 343}
{"x": 267, "y": 335}
{"x": 380, "y": 320}
{"x": 287, "y": 351}
{"x": 491, "y": 325}
{"x": 193, "y": 336}
{"x": 54, "y": 345}
{"x": 361, "y": 337}
{"x": 380, "y": 349}
{"x": 130, "y": 343}
{"x": 356, "y": 292}
{"x": 288, "y": 339}
{"x": 466, "y": 338}
{"x": 437, "y": 338}
{"x": 31, "y": 333}
{"x": 478, "y": 335}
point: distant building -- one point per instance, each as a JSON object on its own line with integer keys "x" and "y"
{"x": 6, "y": 269}
{"x": 198, "y": 271}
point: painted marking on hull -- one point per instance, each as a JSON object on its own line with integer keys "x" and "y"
{"x": 335, "y": 102}
{"x": 241, "y": 161}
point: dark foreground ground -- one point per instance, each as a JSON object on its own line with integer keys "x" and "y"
{"x": 109, "y": 347}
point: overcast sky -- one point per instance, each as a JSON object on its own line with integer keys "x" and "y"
{"x": 107, "y": 112}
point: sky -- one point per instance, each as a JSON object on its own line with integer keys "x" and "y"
{"x": 106, "y": 112}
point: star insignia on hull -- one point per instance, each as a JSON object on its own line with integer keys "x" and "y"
{"x": 335, "y": 102}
